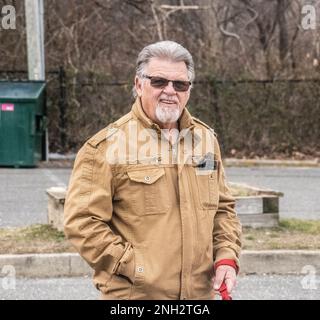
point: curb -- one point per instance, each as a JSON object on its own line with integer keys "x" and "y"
{"x": 72, "y": 265}
{"x": 278, "y": 261}
{"x": 232, "y": 162}
{"x": 46, "y": 265}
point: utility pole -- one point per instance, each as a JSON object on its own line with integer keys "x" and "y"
{"x": 35, "y": 39}
{"x": 35, "y": 48}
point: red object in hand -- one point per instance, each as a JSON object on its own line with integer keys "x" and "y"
{"x": 223, "y": 289}
{"x": 224, "y": 292}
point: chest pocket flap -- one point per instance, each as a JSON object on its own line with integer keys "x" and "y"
{"x": 148, "y": 176}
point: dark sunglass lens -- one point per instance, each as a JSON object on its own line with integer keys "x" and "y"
{"x": 158, "y": 82}
{"x": 181, "y": 85}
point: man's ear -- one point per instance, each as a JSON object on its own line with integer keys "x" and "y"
{"x": 138, "y": 85}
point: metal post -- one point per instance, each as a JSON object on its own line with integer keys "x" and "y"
{"x": 35, "y": 39}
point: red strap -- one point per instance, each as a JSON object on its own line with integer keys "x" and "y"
{"x": 224, "y": 292}
{"x": 227, "y": 262}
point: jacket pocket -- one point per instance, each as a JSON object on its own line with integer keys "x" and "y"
{"x": 126, "y": 265}
{"x": 208, "y": 188}
{"x": 153, "y": 183}
{"x": 123, "y": 277}
{"x": 119, "y": 286}
{"x": 129, "y": 278}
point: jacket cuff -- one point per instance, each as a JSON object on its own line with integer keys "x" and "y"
{"x": 227, "y": 262}
{"x": 226, "y": 253}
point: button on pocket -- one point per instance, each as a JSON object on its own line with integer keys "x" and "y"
{"x": 153, "y": 181}
{"x": 140, "y": 269}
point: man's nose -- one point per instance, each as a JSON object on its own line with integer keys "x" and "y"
{"x": 169, "y": 89}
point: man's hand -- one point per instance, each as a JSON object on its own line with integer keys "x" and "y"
{"x": 225, "y": 273}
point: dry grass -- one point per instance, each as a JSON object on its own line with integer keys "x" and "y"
{"x": 291, "y": 234}
{"x": 33, "y": 239}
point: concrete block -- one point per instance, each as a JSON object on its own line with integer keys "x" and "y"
{"x": 260, "y": 220}
{"x": 249, "y": 208}
{"x": 249, "y": 205}
{"x": 56, "y": 198}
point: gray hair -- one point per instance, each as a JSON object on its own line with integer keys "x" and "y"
{"x": 170, "y": 50}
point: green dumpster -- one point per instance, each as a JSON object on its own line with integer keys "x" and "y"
{"x": 22, "y": 123}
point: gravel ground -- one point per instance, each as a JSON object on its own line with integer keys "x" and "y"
{"x": 251, "y": 287}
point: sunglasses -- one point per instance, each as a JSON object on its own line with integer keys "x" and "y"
{"x": 160, "y": 83}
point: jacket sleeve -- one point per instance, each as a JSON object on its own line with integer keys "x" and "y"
{"x": 88, "y": 211}
{"x": 227, "y": 227}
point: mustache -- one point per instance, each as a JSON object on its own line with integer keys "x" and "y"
{"x": 168, "y": 99}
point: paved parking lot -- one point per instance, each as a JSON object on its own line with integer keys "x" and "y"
{"x": 23, "y": 200}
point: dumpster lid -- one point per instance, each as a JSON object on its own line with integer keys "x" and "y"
{"x": 21, "y": 90}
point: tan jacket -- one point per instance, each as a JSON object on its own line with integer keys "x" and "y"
{"x": 151, "y": 229}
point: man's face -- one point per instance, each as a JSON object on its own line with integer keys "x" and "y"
{"x": 164, "y": 106}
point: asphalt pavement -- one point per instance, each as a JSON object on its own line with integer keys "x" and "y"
{"x": 251, "y": 287}
{"x": 300, "y": 185}
{"x": 23, "y": 200}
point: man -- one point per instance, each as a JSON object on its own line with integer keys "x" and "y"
{"x": 148, "y": 206}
